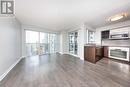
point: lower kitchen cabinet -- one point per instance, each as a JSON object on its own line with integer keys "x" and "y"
{"x": 93, "y": 53}
{"x": 105, "y": 48}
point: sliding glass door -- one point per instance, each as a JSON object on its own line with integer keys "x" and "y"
{"x": 32, "y": 43}
{"x": 44, "y": 43}
{"x": 73, "y": 42}
{"x": 52, "y": 42}
{"x": 39, "y": 43}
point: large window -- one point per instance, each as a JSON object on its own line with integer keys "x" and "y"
{"x": 32, "y": 43}
{"x": 38, "y": 43}
{"x": 44, "y": 43}
{"x": 73, "y": 44}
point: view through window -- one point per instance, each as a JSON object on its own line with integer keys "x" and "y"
{"x": 38, "y": 43}
{"x": 73, "y": 42}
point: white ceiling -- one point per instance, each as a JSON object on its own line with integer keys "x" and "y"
{"x": 61, "y": 14}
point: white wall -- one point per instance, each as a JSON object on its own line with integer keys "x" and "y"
{"x": 110, "y": 42}
{"x": 81, "y": 41}
{"x": 86, "y": 30}
{"x": 10, "y": 42}
{"x": 64, "y": 47}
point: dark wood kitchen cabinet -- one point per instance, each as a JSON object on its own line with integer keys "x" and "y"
{"x": 93, "y": 53}
{"x": 105, "y": 49}
{"x": 89, "y": 54}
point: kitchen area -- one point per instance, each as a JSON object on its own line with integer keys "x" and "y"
{"x": 114, "y": 44}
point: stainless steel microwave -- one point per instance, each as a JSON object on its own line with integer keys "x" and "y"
{"x": 120, "y": 33}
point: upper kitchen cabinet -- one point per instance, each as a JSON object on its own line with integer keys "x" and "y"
{"x": 116, "y": 34}
{"x": 105, "y": 34}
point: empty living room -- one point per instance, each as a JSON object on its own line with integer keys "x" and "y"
{"x": 64, "y": 43}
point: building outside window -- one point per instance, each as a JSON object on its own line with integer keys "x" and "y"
{"x": 73, "y": 43}
{"x": 39, "y": 43}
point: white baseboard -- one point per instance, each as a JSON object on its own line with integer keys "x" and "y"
{"x": 63, "y": 53}
{"x": 73, "y": 55}
{"x": 9, "y": 69}
{"x": 60, "y": 53}
{"x": 23, "y": 57}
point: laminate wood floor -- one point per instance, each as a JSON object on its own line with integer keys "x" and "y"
{"x": 57, "y": 70}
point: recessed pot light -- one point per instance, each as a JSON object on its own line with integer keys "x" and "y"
{"x": 117, "y": 17}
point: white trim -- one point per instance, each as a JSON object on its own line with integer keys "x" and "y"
{"x": 9, "y": 69}
{"x": 82, "y": 58}
{"x": 60, "y": 53}
{"x": 23, "y": 57}
{"x": 74, "y": 55}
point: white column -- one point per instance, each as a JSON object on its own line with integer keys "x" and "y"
{"x": 64, "y": 43}
{"x": 81, "y": 42}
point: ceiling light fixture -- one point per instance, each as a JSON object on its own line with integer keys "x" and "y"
{"x": 117, "y": 17}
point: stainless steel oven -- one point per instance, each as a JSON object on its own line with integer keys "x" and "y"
{"x": 121, "y": 53}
